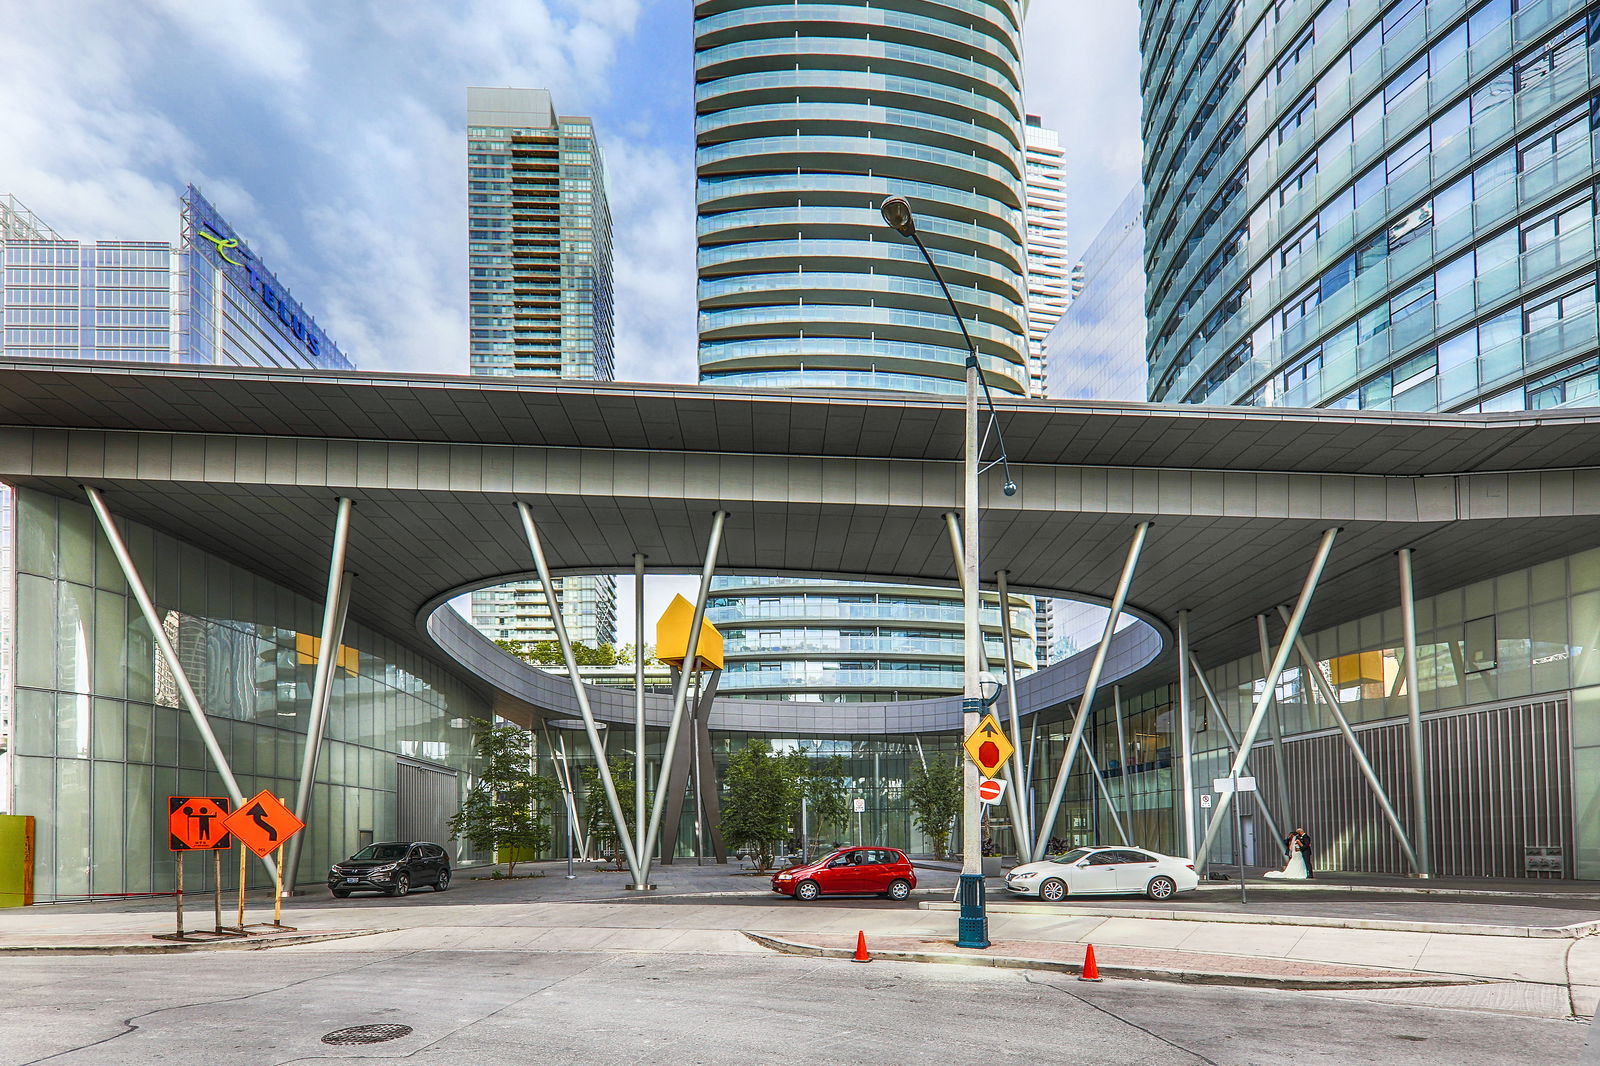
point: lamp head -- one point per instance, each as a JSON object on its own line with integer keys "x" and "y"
{"x": 989, "y": 687}
{"x": 1009, "y": 488}
{"x": 896, "y": 211}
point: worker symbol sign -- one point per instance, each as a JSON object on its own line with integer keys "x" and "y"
{"x": 194, "y": 823}
{"x": 263, "y": 823}
{"x": 988, "y": 746}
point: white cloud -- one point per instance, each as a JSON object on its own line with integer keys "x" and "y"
{"x": 1082, "y": 62}
{"x": 331, "y": 135}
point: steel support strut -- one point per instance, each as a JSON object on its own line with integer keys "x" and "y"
{"x": 1419, "y": 782}
{"x": 1086, "y": 702}
{"x": 1275, "y": 721}
{"x": 681, "y": 694}
{"x": 578, "y": 690}
{"x": 158, "y": 632}
{"x": 1019, "y": 821}
{"x": 1186, "y": 734}
{"x": 1325, "y": 690}
{"x": 1257, "y": 716}
{"x": 1233, "y": 740}
{"x": 639, "y": 765}
{"x": 335, "y": 609}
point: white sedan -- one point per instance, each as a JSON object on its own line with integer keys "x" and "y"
{"x": 1104, "y": 872}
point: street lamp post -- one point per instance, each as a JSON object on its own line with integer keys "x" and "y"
{"x": 974, "y": 922}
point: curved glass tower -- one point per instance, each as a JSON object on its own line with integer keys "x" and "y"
{"x": 1376, "y": 205}
{"x": 807, "y": 117}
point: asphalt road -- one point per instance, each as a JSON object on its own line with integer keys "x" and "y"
{"x": 486, "y": 1008}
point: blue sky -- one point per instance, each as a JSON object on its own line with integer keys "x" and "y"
{"x": 332, "y": 137}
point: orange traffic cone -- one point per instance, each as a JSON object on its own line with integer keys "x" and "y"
{"x": 861, "y": 947}
{"x": 1091, "y": 972}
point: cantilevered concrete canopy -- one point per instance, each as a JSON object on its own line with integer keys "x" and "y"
{"x": 248, "y": 464}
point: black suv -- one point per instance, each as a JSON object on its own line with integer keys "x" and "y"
{"x": 395, "y": 868}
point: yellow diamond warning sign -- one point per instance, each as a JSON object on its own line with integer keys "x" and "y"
{"x": 988, "y": 746}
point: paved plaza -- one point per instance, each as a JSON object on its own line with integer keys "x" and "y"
{"x": 513, "y": 970}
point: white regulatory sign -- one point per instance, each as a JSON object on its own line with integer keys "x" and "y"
{"x": 1205, "y": 800}
{"x": 859, "y": 804}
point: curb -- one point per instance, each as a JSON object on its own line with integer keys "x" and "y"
{"x": 174, "y": 948}
{"x": 1138, "y": 973}
{"x": 1397, "y": 890}
{"x": 1536, "y": 932}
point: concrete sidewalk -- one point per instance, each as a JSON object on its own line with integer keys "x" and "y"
{"x": 704, "y": 911}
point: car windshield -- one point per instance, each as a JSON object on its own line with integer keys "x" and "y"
{"x": 1070, "y": 857}
{"x": 379, "y": 851}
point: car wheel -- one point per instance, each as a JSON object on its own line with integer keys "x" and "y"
{"x": 341, "y": 893}
{"x": 1161, "y": 888}
{"x": 899, "y": 889}
{"x": 402, "y": 885}
{"x": 1053, "y": 890}
{"x": 806, "y": 891}
{"x": 443, "y": 882}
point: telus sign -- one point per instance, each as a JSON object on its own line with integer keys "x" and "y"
{"x": 212, "y": 234}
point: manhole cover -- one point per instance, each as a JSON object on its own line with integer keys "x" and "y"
{"x": 366, "y": 1034}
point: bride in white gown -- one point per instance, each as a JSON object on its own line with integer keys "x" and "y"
{"x": 1295, "y": 868}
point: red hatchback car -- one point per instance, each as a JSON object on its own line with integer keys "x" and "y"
{"x": 850, "y": 871}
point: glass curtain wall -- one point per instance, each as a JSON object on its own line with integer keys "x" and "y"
{"x": 1374, "y": 204}
{"x": 100, "y": 737}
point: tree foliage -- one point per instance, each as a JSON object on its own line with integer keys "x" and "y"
{"x": 548, "y": 653}
{"x": 934, "y": 792}
{"x": 762, "y": 799}
{"x": 602, "y": 827}
{"x": 508, "y": 808}
{"x": 827, "y": 795}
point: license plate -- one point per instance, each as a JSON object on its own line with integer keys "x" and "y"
{"x": 351, "y": 880}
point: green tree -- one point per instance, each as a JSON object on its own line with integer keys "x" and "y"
{"x": 827, "y": 796}
{"x": 934, "y": 792}
{"x": 602, "y": 827}
{"x": 763, "y": 796}
{"x": 548, "y": 653}
{"x": 507, "y": 810}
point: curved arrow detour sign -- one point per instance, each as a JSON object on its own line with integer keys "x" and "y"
{"x": 263, "y": 824}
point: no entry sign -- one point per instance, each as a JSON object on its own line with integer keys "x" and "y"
{"x": 991, "y": 791}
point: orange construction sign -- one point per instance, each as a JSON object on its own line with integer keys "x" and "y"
{"x": 263, "y": 823}
{"x": 194, "y": 823}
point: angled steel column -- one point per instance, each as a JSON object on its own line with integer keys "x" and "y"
{"x": 335, "y": 609}
{"x": 681, "y": 694}
{"x": 1233, "y": 740}
{"x": 1086, "y": 702}
{"x": 1105, "y": 792}
{"x": 1019, "y": 822}
{"x": 1186, "y": 733}
{"x": 1302, "y": 605}
{"x": 148, "y": 608}
{"x": 638, "y": 701}
{"x": 1122, "y": 752}
{"x": 1275, "y": 720}
{"x": 158, "y": 632}
{"x": 578, "y": 690}
{"x": 1419, "y": 781}
{"x": 1331, "y": 698}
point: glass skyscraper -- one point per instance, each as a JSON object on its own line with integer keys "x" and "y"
{"x": 1049, "y": 272}
{"x": 1374, "y": 204}
{"x": 540, "y": 285}
{"x": 806, "y": 118}
{"x": 1097, "y": 350}
{"x": 1389, "y": 205}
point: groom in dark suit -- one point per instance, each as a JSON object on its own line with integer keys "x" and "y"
{"x": 1305, "y": 847}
